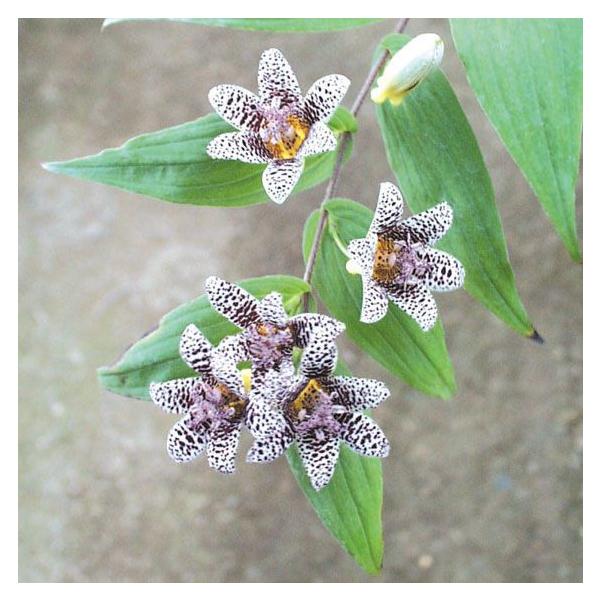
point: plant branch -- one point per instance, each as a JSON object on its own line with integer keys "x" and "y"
{"x": 339, "y": 159}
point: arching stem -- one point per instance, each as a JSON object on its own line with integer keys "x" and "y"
{"x": 341, "y": 148}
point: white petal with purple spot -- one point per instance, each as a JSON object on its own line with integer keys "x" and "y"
{"x": 358, "y": 393}
{"x": 363, "y": 435}
{"x": 174, "y": 396}
{"x": 374, "y": 302}
{"x": 225, "y": 371}
{"x": 271, "y": 309}
{"x": 276, "y": 79}
{"x": 235, "y": 347}
{"x": 270, "y": 448}
{"x": 231, "y": 301}
{"x": 445, "y": 273}
{"x": 324, "y": 96}
{"x": 195, "y": 349}
{"x": 320, "y": 355}
{"x": 305, "y": 324}
{"x": 320, "y": 139}
{"x": 280, "y": 177}
{"x": 417, "y": 302}
{"x": 245, "y": 147}
{"x": 183, "y": 443}
{"x": 388, "y": 212}
{"x": 429, "y": 226}
{"x": 236, "y": 105}
{"x": 319, "y": 456}
{"x": 221, "y": 447}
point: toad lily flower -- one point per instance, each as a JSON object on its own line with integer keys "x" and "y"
{"x": 269, "y": 335}
{"x": 214, "y": 404}
{"x": 278, "y": 127}
{"x": 317, "y": 410}
{"x": 396, "y": 260}
{"x": 408, "y": 67}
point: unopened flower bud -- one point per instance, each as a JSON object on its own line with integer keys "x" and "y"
{"x": 408, "y": 67}
{"x": 353, "y": 267}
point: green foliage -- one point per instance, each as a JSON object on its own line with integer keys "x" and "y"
{"x": 396, "y": 342}
{"x": 172, "y": 164}
{"x": 292, "y": 25}
{"x": 434, "y": 154}
{"x": 528, "y": 77}
{"x": 350, "y": 506}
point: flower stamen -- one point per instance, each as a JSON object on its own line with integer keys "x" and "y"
{"x": 398, "y": 262}
{"x": 268, "y": 344}
{"x": 313, "y": 410}
{"x": 281, "y": 131}
{"x": 214, "y": 406}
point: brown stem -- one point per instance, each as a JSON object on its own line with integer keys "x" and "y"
{"x": 339, "y": 159}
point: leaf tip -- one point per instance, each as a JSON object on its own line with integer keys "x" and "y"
{"x": 53, "y": 167}
{"x": 536, "y": 337}
{"x": 575, "y": 253}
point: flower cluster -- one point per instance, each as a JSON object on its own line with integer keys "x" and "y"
{"x": 313, "y": 408}
{"x": 279, "y": 127}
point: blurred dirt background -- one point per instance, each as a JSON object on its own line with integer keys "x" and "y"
{"x": 486, "y": 487}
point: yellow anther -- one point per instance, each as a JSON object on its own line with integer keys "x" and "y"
{"x": 384, "y": 265}
{"x": 246, "y": 379}
{"x": 307, "y": 398}
{"x": 289, "y": 143}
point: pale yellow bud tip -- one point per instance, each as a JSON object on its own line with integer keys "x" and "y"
{"x": 246, "y": 379}
{"x": 408, "y": 67}
{"x": 353, "y": 267}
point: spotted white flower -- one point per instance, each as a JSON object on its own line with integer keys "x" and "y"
{"x": 278, "y": 127}
{"x": 269, "y": 335}
{"x": 397, "y": 261}
{"x": 407, "y": 68}
{"x": 214, "y": 404}
{"x": 317, "y": 410}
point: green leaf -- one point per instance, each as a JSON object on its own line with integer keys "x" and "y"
{"x": 156, "y": 356}
{"x": 172, "y": 164}
{"x": 434, "y": 154}
{"x": 396, "y": 342}
{"x": 350, "y": 506}
{"x": 292, "y": 25}
{"x": 528, "y": 77}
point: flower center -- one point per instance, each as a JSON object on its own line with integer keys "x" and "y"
{"x": 313, "y": 410}
{"x": 268, "y": 344}
{"x": 281, "y": 131}
{"x": 397, "y": 262}
{"x": 214, "y": 406}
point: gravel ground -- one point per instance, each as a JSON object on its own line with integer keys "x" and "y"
{"x": 486, "y": 487}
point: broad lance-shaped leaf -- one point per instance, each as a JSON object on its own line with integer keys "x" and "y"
{"x": 434, "y": 154}
{"x": 172, "y": 164}
{"x": 350, "y": 506}
{"x": 292, "y": 25}
{"x": 528, "y": 77}
{"x": 396, "y": 342}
